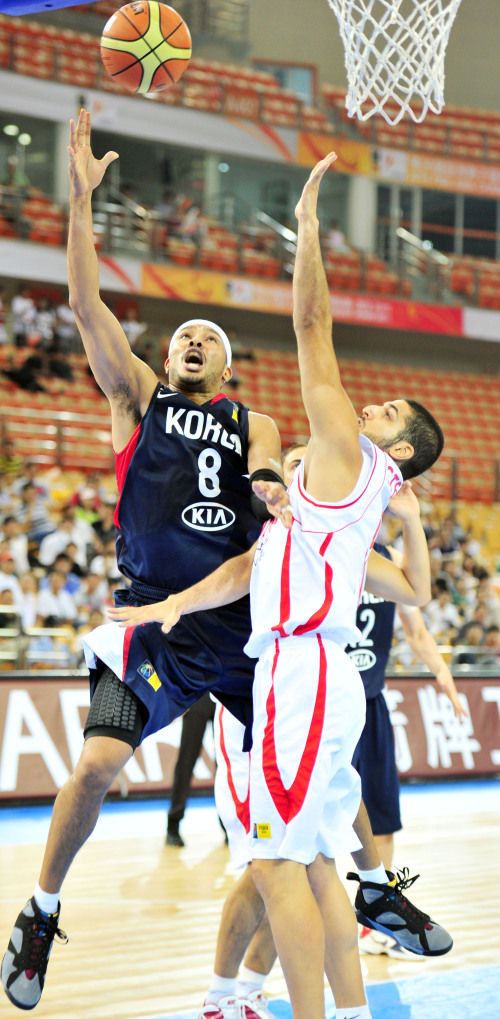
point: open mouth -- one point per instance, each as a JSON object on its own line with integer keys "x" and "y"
{"x": 194, "y": 356}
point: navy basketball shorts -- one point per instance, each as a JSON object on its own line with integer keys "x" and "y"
{"x": 375, "y": 761}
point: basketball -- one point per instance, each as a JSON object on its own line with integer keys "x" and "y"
{"x": 146, "y": 46}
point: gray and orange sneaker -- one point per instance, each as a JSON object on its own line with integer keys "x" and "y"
{"x": 25, "y": 962}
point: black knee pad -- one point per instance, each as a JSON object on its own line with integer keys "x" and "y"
{"x": 115, "y": 711}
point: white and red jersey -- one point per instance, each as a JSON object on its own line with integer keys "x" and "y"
{"x": 320, "y": 562}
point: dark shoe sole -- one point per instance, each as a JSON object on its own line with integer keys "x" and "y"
{"x": 374, "y": 926}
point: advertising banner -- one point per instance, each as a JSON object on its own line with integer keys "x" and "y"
{"x": 41, "y": 723}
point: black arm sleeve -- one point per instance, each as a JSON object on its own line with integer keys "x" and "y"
{"x": 259, "y": 508}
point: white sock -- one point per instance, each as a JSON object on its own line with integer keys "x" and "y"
{"x": 46, "y": 901}
{"x": 249, "y": 980}
{"x": 359, "y": 1012}
{"x": 378, "y": 875}
{"x": 221, "y": 987}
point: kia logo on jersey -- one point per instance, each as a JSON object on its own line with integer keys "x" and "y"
{"x": 208, "y": 516}
{"x": 362, "y": 658}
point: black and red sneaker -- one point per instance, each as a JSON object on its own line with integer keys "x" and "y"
{"x": 385, "y": 908}
{"x": 25, "y": 962}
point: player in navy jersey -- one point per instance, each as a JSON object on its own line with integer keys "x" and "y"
{"x": 375, "y": 756}
{"x": 183, "y": 455}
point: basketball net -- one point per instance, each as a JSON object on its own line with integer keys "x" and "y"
{"x": 394, "y": 55}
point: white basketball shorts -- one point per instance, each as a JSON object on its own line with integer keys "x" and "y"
{"x": 309, "y": 712}
{"x": 232, "y": 784}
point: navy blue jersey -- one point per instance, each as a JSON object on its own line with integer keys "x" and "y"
{"x": 375, "y": 619}
{"x": 184, "y": 504}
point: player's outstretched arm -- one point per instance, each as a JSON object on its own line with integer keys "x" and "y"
{"x": 226, "y": 584}
{"x": 333, "y": 459}
{"x": 410, "y": 581}
{"x": 127, "y": 382}
{"x": 264, "y": 457}
{"x": 424, "y": 647}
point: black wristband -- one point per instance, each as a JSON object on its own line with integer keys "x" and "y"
{"x": 259, "y": 508}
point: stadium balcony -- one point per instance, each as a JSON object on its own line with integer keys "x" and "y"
{"x": 47, "y": 51}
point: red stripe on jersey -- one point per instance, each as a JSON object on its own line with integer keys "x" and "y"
{"x": 338, "y": 505}
{"x": 122, "y": 464}
{"x": 284, "y": 588}
{"x": 126, "y": 647}
{"x": 288, "y": 802}
{"x": 242, "y": 807}
{"x": 318, "y": 617}
{"x": 365, "y": 565}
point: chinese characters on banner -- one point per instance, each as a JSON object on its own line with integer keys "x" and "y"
{"x": 41, "y": 723}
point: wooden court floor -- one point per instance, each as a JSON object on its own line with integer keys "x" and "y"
{"x": 143, "y": 917}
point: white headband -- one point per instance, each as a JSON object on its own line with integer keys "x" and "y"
{"x": 211, "y": 325}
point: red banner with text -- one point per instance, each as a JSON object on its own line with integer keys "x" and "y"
{"x": 41, "y": 722}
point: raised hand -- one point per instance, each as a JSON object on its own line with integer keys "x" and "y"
{"x": 405, "y": 503}
{"x": 165, "y": 612}
{"x": 276, "y": 500}
{"x": 311, "y": 187}
{"x": 85, "y": 171}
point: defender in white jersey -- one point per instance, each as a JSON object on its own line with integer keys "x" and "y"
{"x": 313, "y": 923}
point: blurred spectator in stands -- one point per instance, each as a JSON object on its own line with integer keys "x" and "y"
{"x": 105, "y": 564}
{"x": 23, "y": 315}
{"x": 491, "y": 646}
{"x": 17, "y": 543}
{"x": 8, "y": 579}
{"x": 460, "y": 596}
{"x": 335, "y": 239}
{"x": 33, "y": 515}
{"x": 7, "y": 497}
{"x": 30, "y": 471}
{"x": 448, "y": 542}
{"x": 71, "y": 551}
{"x": 93, "y": 480}
{"x": 131, "y": 325}
{"x": 48, "y": 650}
{"x": 440, "y": 613}
{"x": 104, "y": 526}
{"x": 10, "y": 462}
{"x": 55, "y": 601}
{"x": 15, "y": 177}
{"x": 470, "y": 636}
{"x": 45, "y": 322}
{"x": 93, "y": 594}
{"x": 4, "y": 338}
{"x": 453, "y": 527}
{"x": 96, "y": 618}
{"x": 451, "y": 570}
{"x": 68, "y": 530}
{"x": 9, "y": 618}
{"x": 485, "y": 595}
{"x": 58, "y": 365}
{"x": 63, "y": 563}
{"x": 28, "y": 375}
{"x": 87, "y": 505}
{"x": 166, "y": 208}
{"x": 28, "y": 583}
{"x": 193, "y": 225}
{"x": 67, "y": 335}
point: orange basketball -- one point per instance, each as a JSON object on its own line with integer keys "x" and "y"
{"x": 146, "y": 46}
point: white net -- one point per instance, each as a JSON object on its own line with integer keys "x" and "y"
{"x": 394, "y": 55}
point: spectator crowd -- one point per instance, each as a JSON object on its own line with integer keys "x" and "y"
{"x": 58, "y": 572}
{"x": 58, "y": 565}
